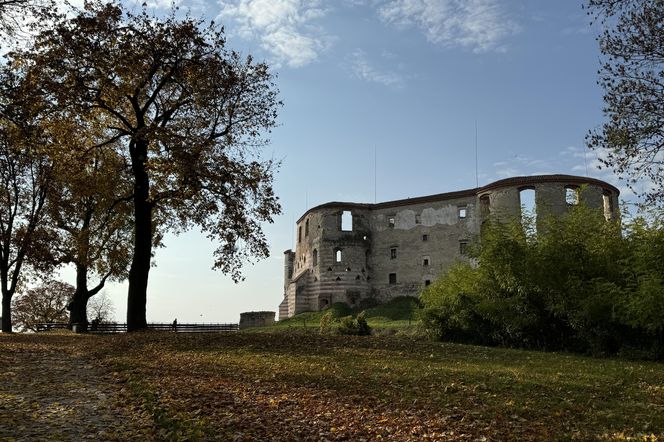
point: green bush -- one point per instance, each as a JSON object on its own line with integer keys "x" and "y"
{"x": 573, "y": 282}
{"x": 354, "y": 326}
{"x": 326, "y": 322}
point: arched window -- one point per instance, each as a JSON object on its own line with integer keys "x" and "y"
{"x": 315, "y": 257}
{"x": 527, "y": 201}
{"x": 337, "y": 255}
{"x": 607, "y": 199}
{"x": 485, "y": 205}
{"x": 306, "y": 228}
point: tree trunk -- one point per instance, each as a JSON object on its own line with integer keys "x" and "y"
{"x": 78, "y": 307}
{"x": 6, "y": 313}
{"x": 140, "y": 264}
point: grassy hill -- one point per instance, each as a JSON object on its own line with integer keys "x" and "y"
{"x": 397, "y": 313}
{"x": 295, "y": 385}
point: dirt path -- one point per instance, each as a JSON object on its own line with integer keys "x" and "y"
{"x": 50, "y": 393}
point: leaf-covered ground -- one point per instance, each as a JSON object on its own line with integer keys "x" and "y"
{"x": 303, "y": 386}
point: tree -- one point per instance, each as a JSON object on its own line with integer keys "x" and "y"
{"x": 632, "y": 76}
{"x": 13, "y": 14}
{"x": 188, "y": 116}
{"x": 46, "y": 303}
{"x": 88, "y": 206}
{"x": 25, "y": 176}
{"x": 100, "y": 308}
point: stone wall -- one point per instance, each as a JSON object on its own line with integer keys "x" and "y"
{"x": 398, "y": 247}
{"x": 256, "y": 319}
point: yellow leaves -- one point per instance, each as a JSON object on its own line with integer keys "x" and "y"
{"x": 276, "y": 386}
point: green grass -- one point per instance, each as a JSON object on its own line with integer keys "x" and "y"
{"x": 400, "y": 312}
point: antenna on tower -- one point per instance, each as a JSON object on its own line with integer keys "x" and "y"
{"x": 477, "y": 175}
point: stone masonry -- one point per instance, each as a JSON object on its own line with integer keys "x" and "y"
{"x": 347, "y": 252}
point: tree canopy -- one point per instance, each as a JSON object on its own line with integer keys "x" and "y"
{"x": 632, "y": 76}
{"x": 188, "y": 117}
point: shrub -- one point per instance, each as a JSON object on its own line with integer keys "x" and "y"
{"x": 575, "y": 282}
{"x": 326, "y": 322}
{"x": 354, "y": 326}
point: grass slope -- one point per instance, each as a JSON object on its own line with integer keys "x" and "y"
{"x": 398, "y": 312}
{"x": 300, "y": 385}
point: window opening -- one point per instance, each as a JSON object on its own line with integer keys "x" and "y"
{"x": 427, "y": 282}
{"x": 315, "y": 258}
{"x": 528, "y": 214}
{"x": 463, "y": 211}
{"x": 390, "y": 221}
{"x": 338, "y": 278}
{"x": 418, "y": 218}
{"x": 393, "y": 253}
{"x": 425, "y": 237}
{"x": 485, "y": 205}
{"x": 337, "y": 255}
{"x": 463, "y": 248}
{"x": 572, "y": 196}
{"x": 608, "y": 205}
{"x": 425, "y": 261}
{"x": 348, "y": 269}
{"x": 299, "y": 234}
{"x": 392, "y": 278}
{"x": 346, "y": 221}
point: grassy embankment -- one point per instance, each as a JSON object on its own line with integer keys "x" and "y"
{"x": 400, "y": 313}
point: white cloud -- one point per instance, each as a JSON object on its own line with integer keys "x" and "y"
{"x": 364, "y": 70}
{"x": 285, "y": 28}
{"x": 479, "y": 25}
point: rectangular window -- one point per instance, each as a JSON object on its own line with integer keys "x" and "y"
{"x": 393, "y": 253}
{"x": 572, "y": 195}
{"x": 346, "y": 221}
{"x": 425, "y": 237}
{"x": 299, "y": 234}
{"x": 463, "y": 211}
{"x": 418, "y": 219}
{"x": 425, "y": 261}
{"x": 463, "y": 248}
{"x": 427, "y": 282}
{"x": 393, "y": 278}
{"x": 390, "y": 221}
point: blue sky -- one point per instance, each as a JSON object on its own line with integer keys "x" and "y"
{"x": 402, "y": 83}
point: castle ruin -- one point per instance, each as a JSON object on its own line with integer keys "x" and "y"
{"x": 347, "y": 252}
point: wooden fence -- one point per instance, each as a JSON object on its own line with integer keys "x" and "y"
{"x": 121, "y": 328}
